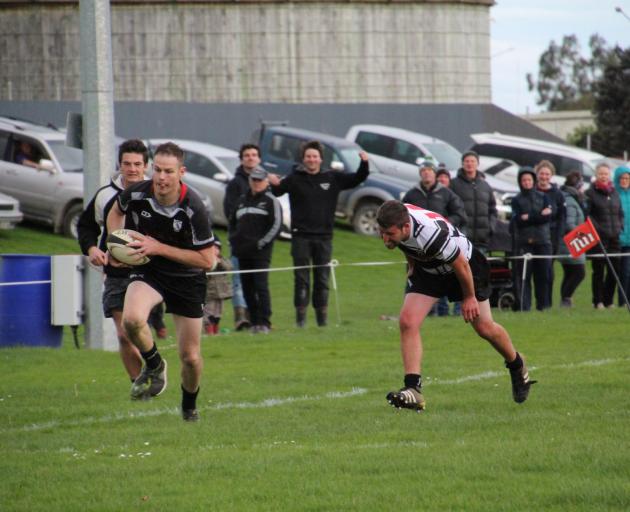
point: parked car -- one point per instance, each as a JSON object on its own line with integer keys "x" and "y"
{"x": 280, "y": 150}
{"x": 528, "y": 152}
{"x": 209, "y": 169}
{"x": 52, "y": 192}
{"x": 10, "y": 213}
{"x": 397, "y": 152}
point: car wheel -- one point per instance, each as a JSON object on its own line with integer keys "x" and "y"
{"x": 364, "y": 219}
{"x": 71, "y": 220}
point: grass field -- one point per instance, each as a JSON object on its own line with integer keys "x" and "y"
{"x": 298, "y": 420}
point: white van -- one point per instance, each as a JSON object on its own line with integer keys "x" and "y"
{"x": 529, "y": 152}
{"x": 397, "y": 152}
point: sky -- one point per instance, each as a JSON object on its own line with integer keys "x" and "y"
{"x": 521, "y": 31}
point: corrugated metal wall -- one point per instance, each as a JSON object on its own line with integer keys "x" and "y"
{"x": 306, "y": 52}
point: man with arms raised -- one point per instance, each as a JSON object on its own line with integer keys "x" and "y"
{"x": 441, "y": 261}
{"x": 176, "y": 236}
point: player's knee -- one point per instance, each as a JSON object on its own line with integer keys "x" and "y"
{"x": 408, "y": 321}
{"x": 132, "y": 324}
{"x": 485, "y": 328}
{"x": 191, "y": 359}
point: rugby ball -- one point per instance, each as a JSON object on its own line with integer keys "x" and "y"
{"x": 117, "y": 246}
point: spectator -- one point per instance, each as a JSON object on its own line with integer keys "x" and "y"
{"x": 544, "y": 172}
{"x": 432, "y": 195}
{"x": 622, "y": 184}
{"x": 573, "y": 268}
{"x": 531, "y": 215}
{"x": 313, "y": 194}
{"x": 249, "y": 155}
{"x": 218, "y": 289}
{"x": 479, "y": 202}
{"x": 443, "y": 176}
{"x": 254, "y": 225}
{"x": 25, "y": 155}
{"x": 604, "y": 209}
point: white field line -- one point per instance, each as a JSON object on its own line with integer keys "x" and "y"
{"x": 275, "y": 402}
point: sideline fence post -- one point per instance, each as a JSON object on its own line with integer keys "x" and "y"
{"x": 333, "y": 264}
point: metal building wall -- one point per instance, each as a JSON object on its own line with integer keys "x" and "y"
{"x": 422, "y": 51}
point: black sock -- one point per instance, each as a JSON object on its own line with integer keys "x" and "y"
{"x": 189, "y": 400}
{"x": 152, "y": 357}
{"x": 413, "y": 380}
{"x": 517, "y": 364}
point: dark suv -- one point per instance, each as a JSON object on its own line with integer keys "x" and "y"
{"x": 280, "y": 148}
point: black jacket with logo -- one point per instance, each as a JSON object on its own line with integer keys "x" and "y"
{"x": 254, "y": 225}
{"x": 237, "y": 186}
{"x": 313, "y": 197}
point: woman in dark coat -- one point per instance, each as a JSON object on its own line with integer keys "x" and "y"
{"x": 604, "y": 208}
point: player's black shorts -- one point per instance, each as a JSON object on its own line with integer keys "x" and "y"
{"x": 114, "y": 294}
{"x": 448, "y": 285}
{"x": 183, "y": 296}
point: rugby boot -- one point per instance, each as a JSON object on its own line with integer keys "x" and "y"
{"x": 190, "y": 415}
{"x": 520, "y": 382}
{"x": 407, "y": 398}
{"x": 149, "y": 383}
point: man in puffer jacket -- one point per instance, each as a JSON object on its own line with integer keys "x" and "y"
{"x": 431, "y": 195}
{"x": 531, "y": 216}
{"x": 622, "y": 184}
{"x": 478, "y": 199}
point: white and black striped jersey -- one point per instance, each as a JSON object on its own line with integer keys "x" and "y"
{"x": 184, "y": 224}
{"x": 434, "y": 242}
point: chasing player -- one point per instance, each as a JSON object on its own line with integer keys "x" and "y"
{"x": 441, "y": 262}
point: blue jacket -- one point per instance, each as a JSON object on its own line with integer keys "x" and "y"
{"x": 624, "y": 196}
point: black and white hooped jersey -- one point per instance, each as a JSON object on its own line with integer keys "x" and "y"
{"x": 184, "y": 224}
{"x": 434, "y": 243}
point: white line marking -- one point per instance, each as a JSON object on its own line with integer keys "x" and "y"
{"x": 275, "y": 402}
{"x": 174, "y": 411}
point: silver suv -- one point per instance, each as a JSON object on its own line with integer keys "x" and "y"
{"x": 51, "y": 190}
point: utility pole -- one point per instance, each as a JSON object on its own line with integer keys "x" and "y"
{"x": 97, "y": 98}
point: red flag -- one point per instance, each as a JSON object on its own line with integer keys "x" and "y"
{"x": 582, "y": 238}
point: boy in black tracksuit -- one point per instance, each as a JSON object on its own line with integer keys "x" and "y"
{"x": 254, "y": 224}
{"x": 313, "y": 194}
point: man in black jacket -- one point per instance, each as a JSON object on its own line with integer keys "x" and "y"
{"x": 249, "y": 155}
{"x": 479, "y": 202}
{"x": 313, "y": 194}
{"x": 431, "y": 195}
{"x": 254, "y": 225}
{"x": 133, "y": 158}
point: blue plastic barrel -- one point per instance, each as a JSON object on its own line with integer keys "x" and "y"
{"x": 25, "y": 309}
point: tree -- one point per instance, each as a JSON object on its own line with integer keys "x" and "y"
{"x": 566, "y": 78}
{"x": 612, "y": 105}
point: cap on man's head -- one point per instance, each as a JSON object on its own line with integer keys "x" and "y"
{"x": 428, "y": 164}
{"x": 258, "y": 173}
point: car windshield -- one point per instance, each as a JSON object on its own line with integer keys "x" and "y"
{"x": 445, "y": 154}
{"x": 230, "y": 162}
{"x": 71, "y": 159}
